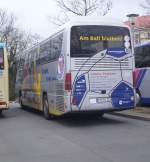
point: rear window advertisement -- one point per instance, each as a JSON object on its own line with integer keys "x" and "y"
{"x": 86, "y": 41}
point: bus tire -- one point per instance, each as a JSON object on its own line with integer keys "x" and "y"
{"x": 46, "y": 108}
{"x": 101, "y": 114}
{"x": 138, "y": 98}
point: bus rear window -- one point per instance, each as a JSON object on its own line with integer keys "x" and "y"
{"x": 1, "y": 58}
{"x": 88, "y": 40}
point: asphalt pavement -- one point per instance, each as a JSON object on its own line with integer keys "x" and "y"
{"x": 25, "y": 136}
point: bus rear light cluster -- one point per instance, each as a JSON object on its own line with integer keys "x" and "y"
{"x": 74, "y": 102}
{"x": 68, "y": 84}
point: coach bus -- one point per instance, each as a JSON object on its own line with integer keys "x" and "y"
{"x": 142, "y": 72}
{"x": 86, "y": 65}
{"x": 4, "y": 92}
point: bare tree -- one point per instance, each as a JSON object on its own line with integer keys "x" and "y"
{"x": 146, "y": 6}
{"x": 19, "y": 41}
{"x": 16, "y": 40}
{"x": 6, "y": 25}
{"x": 59, "y": 19}
{"x": 80, "y": 8}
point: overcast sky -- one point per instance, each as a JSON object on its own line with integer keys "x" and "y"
{"x": 33, "y": 14}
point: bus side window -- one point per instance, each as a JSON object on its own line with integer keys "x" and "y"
{"x": 47, "y": 51}
{"x": 60, "y": 42}
{"x": 37, "y": 56}
{"x": 147, "y": 56}
{"x": 52, "y": 49}
{"x": 139, "y": 57}
{"x": 57, "y": 45}
{"x": 142, "y": 57}
{"x": 43, "y": 53}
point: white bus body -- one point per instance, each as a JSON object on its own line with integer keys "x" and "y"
{"x": 85, "y": 66}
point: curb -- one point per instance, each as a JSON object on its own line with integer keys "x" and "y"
{"x": 131, "y": 116}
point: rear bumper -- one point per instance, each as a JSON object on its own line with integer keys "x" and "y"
{"x": 92, "y": 112}
{"x": 106, "y": 106}
{"x": 102, "y": 110}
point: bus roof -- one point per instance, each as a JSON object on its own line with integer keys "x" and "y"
{"x": 84, "y": 20}
{"x": 94, "y": 20}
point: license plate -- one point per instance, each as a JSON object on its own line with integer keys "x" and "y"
{"x": 93, "y": 101}
{"x": 98, "y": 100}
{"x": 102, "y": 100}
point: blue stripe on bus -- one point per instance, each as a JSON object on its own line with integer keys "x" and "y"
{"x": 116, "y": 52}
{"x": 141, "y": 77}
{"x": 145, "y": 100}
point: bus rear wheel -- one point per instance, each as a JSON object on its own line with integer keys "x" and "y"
{"x": 46, "y": 108}
{"x": 101, "y": 114}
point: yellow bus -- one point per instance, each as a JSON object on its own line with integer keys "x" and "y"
{"x": 4, "y": 92}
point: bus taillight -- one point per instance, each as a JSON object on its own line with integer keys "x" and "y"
{"x": 3, "y": 103}
{"x": 68, "y": 85}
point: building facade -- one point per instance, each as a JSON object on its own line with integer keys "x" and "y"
{"x": 141, "y": 29}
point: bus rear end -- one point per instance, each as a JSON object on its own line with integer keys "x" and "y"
{"x": 100, "y": 68}
{"x": 3, "y": 78}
